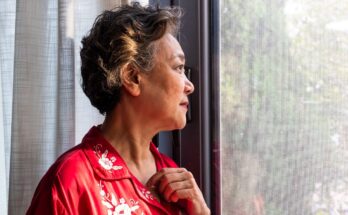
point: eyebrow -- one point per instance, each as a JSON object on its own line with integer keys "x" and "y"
{"x": 179, "y": 55}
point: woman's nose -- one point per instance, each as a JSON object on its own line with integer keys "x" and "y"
{"x": 189, "y": 88}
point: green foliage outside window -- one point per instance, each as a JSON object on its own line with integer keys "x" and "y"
{"x": 284, "y": 106}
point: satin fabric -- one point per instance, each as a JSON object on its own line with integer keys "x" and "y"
{"x": 92, "y": 178}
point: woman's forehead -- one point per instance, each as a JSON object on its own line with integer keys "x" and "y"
{"x": 169, "y": 48}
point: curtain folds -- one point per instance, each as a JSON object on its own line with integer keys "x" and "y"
{"x": 43, "y": 110}
{"x": 7, "y": 32}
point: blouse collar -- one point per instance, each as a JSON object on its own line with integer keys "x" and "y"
{"x": 105, "y": 160}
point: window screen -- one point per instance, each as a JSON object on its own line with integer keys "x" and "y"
{"x": 284, "y": 107}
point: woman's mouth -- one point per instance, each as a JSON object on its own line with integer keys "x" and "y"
{"x": 184, "y": 105}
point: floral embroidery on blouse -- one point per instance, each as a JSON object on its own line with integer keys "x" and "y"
{"x": 117, "y": 206}
{"x": 146, "y": 193}
{"x": 106, "y": 162}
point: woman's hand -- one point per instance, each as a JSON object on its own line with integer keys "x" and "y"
{"x": 175, "y": 184}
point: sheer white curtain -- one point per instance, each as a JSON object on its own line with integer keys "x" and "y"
{"x": 43, "y": 111}
{"x": 7, "y": 30}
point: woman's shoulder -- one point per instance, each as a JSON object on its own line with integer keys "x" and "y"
{"x": 66, "y": 177}
{"x": 72, "y": 158}
{"x": 69, "y": 168}
{"x": 75, "y": 162}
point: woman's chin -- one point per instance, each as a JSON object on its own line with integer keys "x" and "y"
{"x": 181, "y": 124}
{"x": 175, "y": 124}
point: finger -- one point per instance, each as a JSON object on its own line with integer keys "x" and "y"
{"x": 172, "y": 178}
{"x": 182, "y": 194}
{"x": 174, "y": 187}
{"x": 153, "y": 181}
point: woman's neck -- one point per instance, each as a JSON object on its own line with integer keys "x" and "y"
{"x": 128, "y": 135}
{"x": 132, "y": 143}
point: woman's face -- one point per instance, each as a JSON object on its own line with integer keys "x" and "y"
{"x": 166, "y": 88}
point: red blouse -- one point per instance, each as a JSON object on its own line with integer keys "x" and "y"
{"x": 92, "y": 178}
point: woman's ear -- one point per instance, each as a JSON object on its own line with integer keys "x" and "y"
{"x": 130, "y": 78}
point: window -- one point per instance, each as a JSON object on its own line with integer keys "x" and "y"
{"x": 284, "y": 106}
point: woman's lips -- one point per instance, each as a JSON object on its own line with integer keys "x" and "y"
{"x": 184, "y": 104}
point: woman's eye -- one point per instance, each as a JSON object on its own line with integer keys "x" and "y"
{"x": 181, "y": 69}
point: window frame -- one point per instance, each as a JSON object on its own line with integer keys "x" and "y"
{"x": 197, "y": 146}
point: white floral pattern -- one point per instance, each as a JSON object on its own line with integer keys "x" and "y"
{"x": 117, "y": 206}
{"x": 106, "y": 162}
{"x": 146, "y": 193}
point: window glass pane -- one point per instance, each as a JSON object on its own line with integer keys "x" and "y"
{"x": 284, "y": 107}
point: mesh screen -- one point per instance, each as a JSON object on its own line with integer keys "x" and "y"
{"x": 284, "y": 107}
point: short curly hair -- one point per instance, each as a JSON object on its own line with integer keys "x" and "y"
{"x": 118, "y": 38}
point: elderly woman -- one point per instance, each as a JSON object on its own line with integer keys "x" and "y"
{"x": 133, "y": 72}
